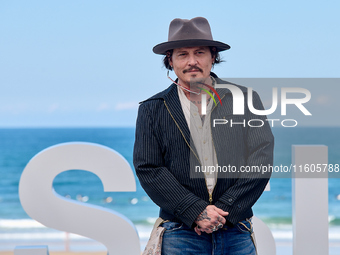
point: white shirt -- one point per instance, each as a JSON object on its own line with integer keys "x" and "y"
{"x": 201, "y": 137}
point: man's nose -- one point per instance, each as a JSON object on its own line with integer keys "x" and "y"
{"x": 192, "y": 60}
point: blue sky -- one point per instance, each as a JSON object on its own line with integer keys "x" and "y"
{"x": 89, "y": 63}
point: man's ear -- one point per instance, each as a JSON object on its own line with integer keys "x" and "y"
{"x": 169, "y": 58}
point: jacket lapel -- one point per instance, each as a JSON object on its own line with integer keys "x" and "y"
{"x": 174, "y": 106}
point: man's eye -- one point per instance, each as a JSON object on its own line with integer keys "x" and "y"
{"x": 181, "y": 54}
{"x": 200, "y": 52}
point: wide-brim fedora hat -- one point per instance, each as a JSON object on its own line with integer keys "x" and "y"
{"x": 189, "y": 33}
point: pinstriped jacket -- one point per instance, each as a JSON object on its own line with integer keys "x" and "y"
{"x": 164, "y": 158}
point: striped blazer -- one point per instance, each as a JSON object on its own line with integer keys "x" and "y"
{"x": 165, "y": 160}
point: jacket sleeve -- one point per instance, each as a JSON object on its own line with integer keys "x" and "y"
{"x": 158, "y": 182}
{"x": 241, "y": 196}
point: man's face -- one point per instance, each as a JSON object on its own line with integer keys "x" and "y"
{"x": 191, "y": 63}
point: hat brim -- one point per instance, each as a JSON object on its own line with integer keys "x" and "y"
{"x": 162, "y": 48}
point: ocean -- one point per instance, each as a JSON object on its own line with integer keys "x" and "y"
{"x": 18, "y": 146}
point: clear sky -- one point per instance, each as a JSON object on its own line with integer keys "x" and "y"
{"x": 88, "y": 63}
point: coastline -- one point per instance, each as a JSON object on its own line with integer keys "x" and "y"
{"x": 78, "y": 245}
{"x": 283, "y": 247}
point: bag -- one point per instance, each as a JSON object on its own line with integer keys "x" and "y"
{"x": 252, "y": 234}
{"x": 154, "y": 245}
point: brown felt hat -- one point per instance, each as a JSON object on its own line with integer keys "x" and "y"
{"x": 189, "y": 33}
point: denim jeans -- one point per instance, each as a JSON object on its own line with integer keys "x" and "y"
{"x": 180, "y": 239}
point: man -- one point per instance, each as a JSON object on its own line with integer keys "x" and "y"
{"x": 205, "y": 212}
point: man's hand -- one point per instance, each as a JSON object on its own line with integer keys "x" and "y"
{"x": 210, "y": 219}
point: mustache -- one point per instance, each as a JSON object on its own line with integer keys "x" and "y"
{"x": 196, "y": 68}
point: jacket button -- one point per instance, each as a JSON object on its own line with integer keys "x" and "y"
{"x": 230, "y": 200}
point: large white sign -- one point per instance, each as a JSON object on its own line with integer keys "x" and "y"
{"x": 43, "y": 204}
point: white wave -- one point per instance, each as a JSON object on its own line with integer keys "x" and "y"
{"x": 46, "y": 233}
{"x": 40, "y": 232}
{"x": 40, "y": 236}
{"x": 333, "y": 234}
{"x": 277, "y": 234}
{"x": 20, "y": 223}
{"x": 151, "y": 220}
{"x": 331, "y": 218}
{"x": 279, "y": 226}
{"x": 144, "y": 231}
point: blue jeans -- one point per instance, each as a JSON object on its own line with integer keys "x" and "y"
{"x": 178, "y": 239}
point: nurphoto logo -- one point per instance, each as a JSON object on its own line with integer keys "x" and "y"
{"x": 238, "y": 104}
